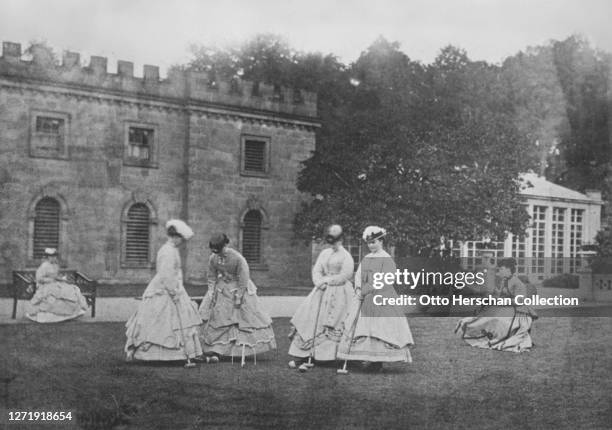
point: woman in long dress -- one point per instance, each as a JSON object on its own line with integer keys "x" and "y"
{"x": 235, "y": 326}
{"x": 318, "y": 323}
{"x": 55, "y": 299}
{"x": 165, "y": 326}
{"x": 375, "y": 333}
{"x": 502, "y": 328}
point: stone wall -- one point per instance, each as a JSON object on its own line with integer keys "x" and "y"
{"x": 93, "y": 184}
{"x": 219, "y": 196}
{"x": 199, "y": 129}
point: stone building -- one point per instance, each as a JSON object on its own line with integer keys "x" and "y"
{"x": 94, "y": 163}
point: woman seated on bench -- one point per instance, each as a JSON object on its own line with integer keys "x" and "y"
{"x": 55, "y": 299}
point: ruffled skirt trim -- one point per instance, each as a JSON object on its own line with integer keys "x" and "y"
{"x": 55, "y": 302}
{"x": 163, "y": 330}
{"x": 372, "y": 349}
{"x": 498, "y": 328}
{"x": 325, "y": 344}
{"x": 229, "y": 341}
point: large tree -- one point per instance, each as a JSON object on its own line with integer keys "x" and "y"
{"x": 423, "y": 151}
{"x": 539, "y": 104}
{"x": 584, "y": 74}
{"x": 560, "y": 93}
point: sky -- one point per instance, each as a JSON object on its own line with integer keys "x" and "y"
{"x": 160, "y": 32}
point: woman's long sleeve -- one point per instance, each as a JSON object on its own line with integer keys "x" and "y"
{"x": 243, "y": 273}
{"x": 212, "y": 274}
{"x": 358, "y": 278}
{"x": 166, "y": 270}
{"x": 319, "y": 276}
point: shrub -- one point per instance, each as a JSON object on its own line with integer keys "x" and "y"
{"x": 561, "y": 281}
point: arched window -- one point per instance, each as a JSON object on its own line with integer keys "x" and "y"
{"x": 251, "y": 236}
{"x": 137, "y": 235}
{"x": 46, "y": 226}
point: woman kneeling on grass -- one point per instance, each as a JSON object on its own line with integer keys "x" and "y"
{"x": 236, "y": 325}
{"x": 503, "y": 328}
{"x": 165, "y": 325}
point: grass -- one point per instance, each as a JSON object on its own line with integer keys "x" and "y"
{"x": 565, "y": 382}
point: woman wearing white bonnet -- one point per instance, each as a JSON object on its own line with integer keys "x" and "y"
{"x": 375, "y": 334}
{"x": 164, "y": 327}
{"x": 55, "y": 299}
{"x": 318, "y": 323}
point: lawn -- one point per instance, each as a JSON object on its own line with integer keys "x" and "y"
{"x": 565, "y": 382}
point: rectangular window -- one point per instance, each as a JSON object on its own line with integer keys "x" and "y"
{"x": 140, "y": 143}
{"x": 558, "y": 233}
{"x": 53, "y": 127}
{"x": 474, "y": 250}
{"x": 255, "y": 156}
{"x": 48, "y": 137}
{"x": 538, "y": 240}
{"x": 518, "y": 253}
{"x": 518, "y": 250}
{"x": 576, "y": 217}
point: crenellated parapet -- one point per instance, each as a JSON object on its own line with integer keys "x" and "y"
{"x": 180, "y": 86}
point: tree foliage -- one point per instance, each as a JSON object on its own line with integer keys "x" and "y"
{"x": 537, "y": 95}
{"x": 269, "y": 58}
{"x": 560, "y": 91}
{"x": 431, "y": 150}
{"x": 424, "y": 151}
{"x": 585, "y": 144}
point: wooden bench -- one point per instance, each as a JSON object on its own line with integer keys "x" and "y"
{"x": 24, "y": 287}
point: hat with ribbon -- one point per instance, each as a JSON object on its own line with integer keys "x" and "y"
{"x": 373, "y": 232}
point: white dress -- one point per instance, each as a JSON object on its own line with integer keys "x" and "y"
{"x": 375, "y": 333}
{"x": 331, "y": 305}
{"x": 162, "y": 329}
{"x": 54, "y": 300}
